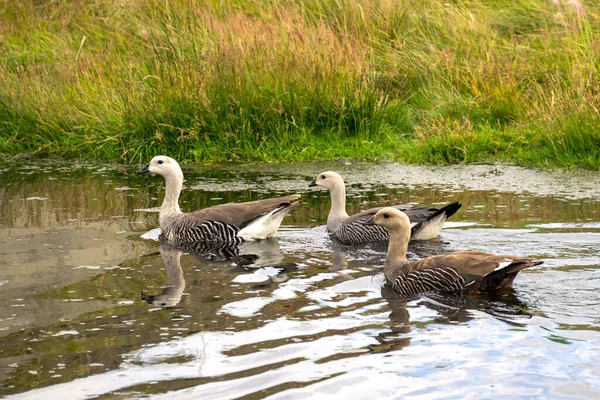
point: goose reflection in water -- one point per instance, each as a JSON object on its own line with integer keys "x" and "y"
{"x": 171, "y": 295}
{"x": 249, "y": 256}
{"x": 504, "y": 305}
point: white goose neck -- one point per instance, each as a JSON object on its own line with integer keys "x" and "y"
{"x": 337, "y": 214}
{"x": 170, "y": 205}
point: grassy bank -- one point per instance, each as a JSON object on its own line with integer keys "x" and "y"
{"x": 424, "y": 82}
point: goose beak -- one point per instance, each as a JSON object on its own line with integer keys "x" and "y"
{"x": 313, "y": 183}
{"x": 144, "y": 170}
{"x": 370, "y": 221}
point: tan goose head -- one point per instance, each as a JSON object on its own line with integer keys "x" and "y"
{"x": 164, "y": 166}
{"x": 399, "y": 226}
{"x": 328, "y": 180}
{"x": 392, "y": 219}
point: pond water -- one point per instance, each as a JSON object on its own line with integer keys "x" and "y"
{"x": 94, "y": 307}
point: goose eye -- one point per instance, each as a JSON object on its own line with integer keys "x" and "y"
{"x": 386, "y": 215}
{"x": 160, "y": 161}
{"x": 323, "y": 177}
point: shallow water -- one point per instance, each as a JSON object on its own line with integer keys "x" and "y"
{"x": 93, "y": 310}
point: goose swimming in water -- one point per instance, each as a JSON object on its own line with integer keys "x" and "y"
{"x": 471, "y": 271}
{"x": 231, "y": 222}
{"x": 349, "y": 229}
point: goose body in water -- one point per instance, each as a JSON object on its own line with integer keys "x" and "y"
{"x": 350, "y": 230}
{"x": 230, "y": 223}
{"x": 470, "y": 271}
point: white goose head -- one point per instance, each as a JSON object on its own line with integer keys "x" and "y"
{"x": 328, "y": 180}
{"x": 164, "y": 166}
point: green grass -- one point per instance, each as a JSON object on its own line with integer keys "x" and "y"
{"x": 420, "y": 82}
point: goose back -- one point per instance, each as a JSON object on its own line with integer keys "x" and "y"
{"x": 413, "y": 212}
{"x": 240, "y": 214}
{"x": 455, "y": 272}
{"x": 222, "y": 223}
{"x": 353, "y": 231}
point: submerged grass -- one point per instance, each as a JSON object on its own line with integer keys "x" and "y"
{"x": 452, "y": 82}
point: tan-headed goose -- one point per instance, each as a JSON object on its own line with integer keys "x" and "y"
{"x": 350, "y": 230}
{"x": 455, "y": 272}
{"x": 231, "y": 222}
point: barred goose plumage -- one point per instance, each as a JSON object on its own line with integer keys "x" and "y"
{"x": 231, "y": 222}
{"x": 349, "y": 229}
{"x": 471, "y": 271}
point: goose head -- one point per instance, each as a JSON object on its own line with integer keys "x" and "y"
{"x": 164, "y": 166}
{"x": 328, "y": 180}
{"x": 390, "y": 218}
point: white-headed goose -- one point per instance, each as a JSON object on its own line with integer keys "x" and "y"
{"x": 350, "y": 230}
{"x": 231, "y": 222}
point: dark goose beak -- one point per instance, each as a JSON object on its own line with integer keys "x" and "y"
{"x": 144, "y": 170}
{"x": 313, "y": 183}
{"x": 370, "y": 221}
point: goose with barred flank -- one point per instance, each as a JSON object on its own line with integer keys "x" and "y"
{"x": 460, "y": 271}
{"x": 350, "y": 230}
{"x": 225, "y": 223}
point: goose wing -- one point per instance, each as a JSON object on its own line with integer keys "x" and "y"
{"x": 477, "y": 270}
{"x": 465, "y": 262}
{"x": 432, "y": 225}
{"x": 240, "y": 214}
{"x": 415, "y": 213}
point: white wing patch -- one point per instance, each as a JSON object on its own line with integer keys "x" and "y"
{"x": 504, "y": 264}
{"x": 430, "y": 228}
{"x": 263, "y": 227}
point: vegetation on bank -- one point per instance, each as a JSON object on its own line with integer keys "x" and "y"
{"x": 423, "y": 82}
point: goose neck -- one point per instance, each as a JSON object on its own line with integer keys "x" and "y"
{"x": 397, "y": 248}
{"x": 170, "y": 204}
{"x": 337, "y": 214}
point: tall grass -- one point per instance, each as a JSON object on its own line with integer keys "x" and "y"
{"x": 428, "y": 82}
